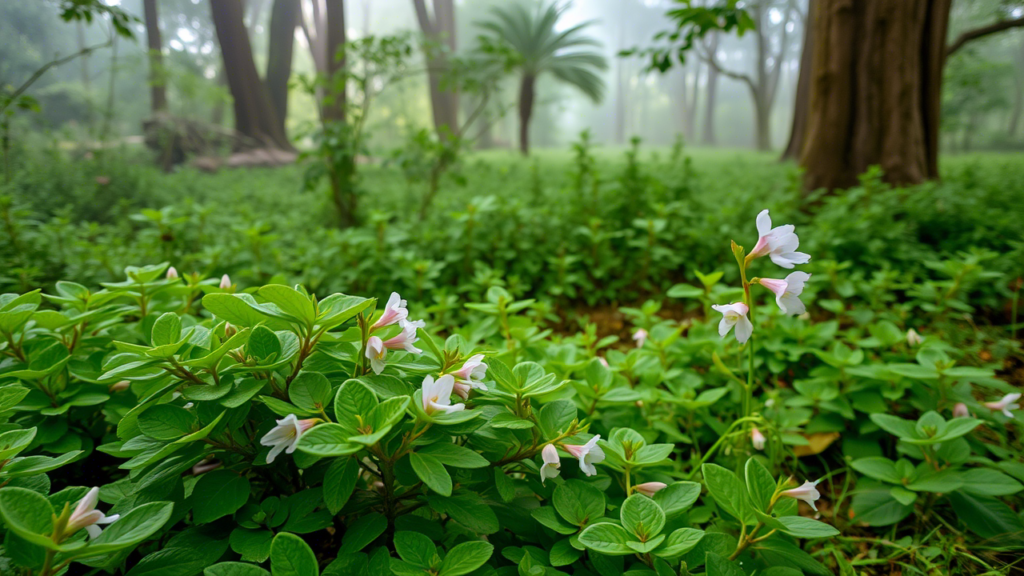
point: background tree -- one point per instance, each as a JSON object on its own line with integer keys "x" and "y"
{"x": 284, "y": 18}
{"x": 439, "y": 31}
{"x": 532, "y": 46}
{"x": 157, "y": 84}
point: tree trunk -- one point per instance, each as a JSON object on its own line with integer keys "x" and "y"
{"x": 709, "y": 99}
{"x": 254, "y": 116}
{"x": 876, "y": 78}
{"x": 526, "y": 95}
{"x": 334, "y": 109}
{"x": 763, "y": 118}
{"x": 284, "y": 17}
{"x": 803, "y": 89}
{"x": 440, "y": 31}
{"x": 157, "y": 86}
{"x": 1018, "y": 102}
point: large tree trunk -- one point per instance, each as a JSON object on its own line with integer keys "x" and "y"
{"x": 157, "y": 86}
{"x": 254, "y": 116}
{"x": 440, "y": 31}
{"x": 875, "y": 91}
{"x": 526, "y": 95}
{"x": 710, "y": 96}
{"x": 284, "y": 17}
{"x": 334, "y": 108}
{"x": 803, "y": 89}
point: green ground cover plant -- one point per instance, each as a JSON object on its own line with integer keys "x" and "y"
{"x": 564, "y": 367}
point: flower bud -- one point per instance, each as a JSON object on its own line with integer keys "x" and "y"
{"x": 225, "y": 282}
{"x": 120, "y": 386}
{"x": 172, "y": 273}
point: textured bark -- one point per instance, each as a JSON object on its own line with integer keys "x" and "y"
{"x": 440, "y": 30}
{"x": 335, "y": 18}
{"x": 157, "y": 87}
{"x": 254, "y": 116}
{"x": 803, "y": 89}
{"x": 284, "y": 17}
{"x": 875, "y": 91}
{"x": 526, "y": 95}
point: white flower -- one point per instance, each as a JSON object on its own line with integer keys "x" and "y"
{"x": 172, "y": 273}
{"x": 756, "y": 438}
{"x": 225, "y": 282}
{"x": 470, "y": 376}
{"x": 437, "y": 395}
{"x": 1007, "y": 403}
{"x": 649, "y": 489}
{"x": 913, "y": 338}
{"x": 787, "y": 292}
{"x": 394, "y": 311}
{"x": 960, "y": 410}
{"x": 778, "y": 243}
{"x": 588, "y": 454}
{"x": 551, "y": 463}
{"x": 206, "y": 466}
{"x": 285, "y": 436}
{"x": 735, "y": 314}
{"x": 603, "y": 361}
{"x": 87, "y": 516}
{"x": 375, "y": 352}
{"x": 808, "y": 492}
{"x": 640, "y": 336}
{"x": 406, "y": 338}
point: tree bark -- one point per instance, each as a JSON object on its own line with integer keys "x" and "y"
{"x": 254, "y": 116}
{"x": 335, "y": 108}
{"x": 1018, "y": 103}
{"x": 710, "y": 95}
{"x": 803, "y": 89}
{"x": 439, "y": 30}
{"x": 875, "y": 91}
{"x": 526, "y": 96}
{"x": 157, "y": 86}
{"x": 284, "y": 17}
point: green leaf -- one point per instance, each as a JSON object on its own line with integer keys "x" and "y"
{"x": 166, "y": 330}
{"x": 13, "y": 442}
{"x": 264, "y": 345}
{"x": 642, "y": 516}
{"x": 252, "y": 545}
{"x": 760, "y": 485}
{"x": 878, "y": 468}
{"x": 903, "y": 429}
{"x": 719, "y": 566}
{"x": 131, "y": 529}
{"x": 327, "y": 441}
{"x": 679, "y": 542}
{"x": 877, "y": 507}
{"x": 677, "y": 498}
{"x": 985, "y": 516}
{"x": 800, "y": 527}
{"x": 432, "y": 473}
{"x": 562, "y": 553}
{"x": 606, "y": 538}
{"x": 218, "y": 494}
{"x": 339, "y": 483}
{"x": 310, "y": 391}
{"x": 235, "y": 569}
{"x": 362, "y": 532}
{"x": 291, "y": 556}
{"x": 416, "y": 548}
{"x": 546, "y": 516}
{"x": 988, "y": 482}
{"x": 469, "y": 510}
{"x": 454, "y": 455}
{"x": 235, "y": 308}
{"x": 465, "y": 558}
{"x": 778, "y": 552}
{"x": 728, "y": 492}
{"x": 931, "y": 481}
{"x": 28, "y": 514}
{"x": 578, "y": 502}
{"x": 167, "y": 422}
{"x": 352, "y": 403}
{"x": 555, "y": 417}
{"x": 290, "y": 301}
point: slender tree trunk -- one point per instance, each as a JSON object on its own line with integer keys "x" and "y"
{"x": 284, "y": 17}
{"x": 710, "y": 96}
{"x": 157, "y": 86}
{"x": 526, "y": 95}
{"x": 335, "y": 109}
{"x": 803, "y": 89}
{"x": 875, "y": 91}
{"x": 254, "y": 116}
{"x": 691, "y": 111}
{"x": 440, "y": 33}
{"x": 1018, "y": 102}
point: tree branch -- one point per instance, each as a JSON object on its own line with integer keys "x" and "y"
{"x": 38, "y": 73}
{"x": 713, "y": 62}
{"x": 981, "y": 33}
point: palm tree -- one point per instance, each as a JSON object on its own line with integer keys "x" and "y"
{"x": 533, "y": 46}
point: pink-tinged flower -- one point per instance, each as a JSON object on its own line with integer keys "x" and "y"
{"x": 225, "y": 282}
{"x": 285, "y": 436}
{"x": 602, "y": 361}
{"x": 735, "y": 314}
{"x": 808, "y": 492}
{"x": 1007, "y": 403}
{"x": 120, "y": 386}
{"x": 913, "y": 338}
{"x": 649, "y": 488}
{"x": 437, "y": 395}
{"x": 406, "y": 338}
{"x": 549, "y": 469}
{"x": 960, "y": 410}
{"x": 756, "y": 438}
{"x": 470, "y": 376}
{"x": 375, "y": 352}
{"x": 172, "y": 273}
{"x": 206, "y": 466}
{"x": 640, "y": 336}
{"x": 778, "y": 243}
{"x": 87, "y": 516}
{"x": 588, "y": 454}
{"x": 787, "y": 292}
{"x": 394, "y": 312}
